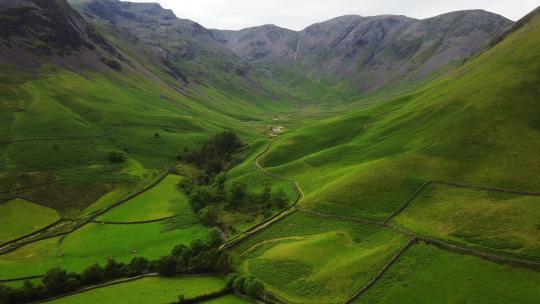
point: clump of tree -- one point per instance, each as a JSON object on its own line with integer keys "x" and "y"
{"x": 199, "y": 257}
{"x": 207, "y": 199}
{"x": 117, "y": 157}
{"x": 216, "y": 154}
{"x": 245, "y": 285}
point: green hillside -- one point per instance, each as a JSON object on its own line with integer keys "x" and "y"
{"x": 113, "y": 154}
{"x": 478, "y": 125}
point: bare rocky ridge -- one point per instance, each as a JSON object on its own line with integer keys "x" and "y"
{"x": 369, "y": 52}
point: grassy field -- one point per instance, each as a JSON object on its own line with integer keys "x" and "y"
{"x": 306, "y": 259}
{"x": 95, "y": 243}
{"x": 148, "y": 290}
{"x": 227, "y": 299}
{"x": 425, "y": 274}
{"x": 162, "y": 201}
{"x": 479, "y": 125}
{"x": 503, "y": 222}
{"x": 15, "y": 215}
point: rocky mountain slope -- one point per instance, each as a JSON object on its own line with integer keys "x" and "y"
{"x": 369, "y": 52}
{"x": 33, "y": 32}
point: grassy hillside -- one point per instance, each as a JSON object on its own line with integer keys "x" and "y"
{"x": 426, "y": 274}
{"x": 477, "y": 125}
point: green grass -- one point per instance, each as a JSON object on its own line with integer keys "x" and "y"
{"x": 305, "y": 259}
{"x": 148, "y": 290}
{"x": 478, "y": 124}
{"x": 163, "y": 200}
{"x": 425, "y": 274}
{"x": 228, "y": 299}
{"x": 55, "y": 123}
{"x": 95, "y": 244}
{"x": 20, "y": 217}
{"x": 502, "y": 222}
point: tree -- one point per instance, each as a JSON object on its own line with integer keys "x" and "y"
{"x": 117, "y": 157}
{"x": 166, "y": 266}
{"x": 279, "y": 199}
{"x": 238, "y": 284}
{"x": 56, "y": 281}
{"x": 93, "y": 275}
{"x": 201, "y": 197}
{"x": 208, "y": 215}
{"x": 229, "y": 280}
{"x": 219, "y": 185}
{"x": 266, "y": 194}
{"x": 253, "y": 288}
{"x": 138, "y": 265}
{"x": 114, "y": 270}
{"x": 215, "y": 239}
{"x": 237, "y": 195}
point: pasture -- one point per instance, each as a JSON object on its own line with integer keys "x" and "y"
{"x": 20, "y": 217}
{"x": 308, "y": 259}
{"x": 148, "y": 290}
{"x": 426, "y": 274}
{"x": 502, "y": 222}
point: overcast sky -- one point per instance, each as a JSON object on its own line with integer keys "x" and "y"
{"x": 297, "y": 14}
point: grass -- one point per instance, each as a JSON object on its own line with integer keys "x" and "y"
{"x": 54, "y": 123}
{"x": 15, "y": 217}
{"x": 478, "y": 124}
{"x": 228, "y": 299}
{"x": 96, "y": 243}
{"x": 148, "y": 290}
{"x": 305, "y": 259}
{"x": 506, "y": 223}
{"x": 425, "y": 274}
{"x": 164, "y": 200}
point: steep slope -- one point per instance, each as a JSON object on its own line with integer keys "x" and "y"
{"x": 33, "y": 32}
{"x": 68, "y": 98}
{"x": 477, "y": 125}
{"x": 368, "y": 53}
{"x": 182, "y": 50}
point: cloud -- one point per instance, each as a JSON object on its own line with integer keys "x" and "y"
{"x": 297, "y": 14}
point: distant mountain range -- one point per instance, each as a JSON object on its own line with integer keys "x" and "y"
{"x": 349, "y": 55}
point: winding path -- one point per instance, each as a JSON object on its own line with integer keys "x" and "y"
{"x": 276, "y": 217}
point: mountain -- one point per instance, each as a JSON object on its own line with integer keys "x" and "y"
{"x": 181, "y": 49}
{"x": 478, "y": 124}
{"x": 368, "y": 53}
{"x": 34, "y": 32}
{"x": 68, "y": 98}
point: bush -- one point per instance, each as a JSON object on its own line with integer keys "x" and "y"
{"x": 57, "y": 281}
{"x": 93, "y": 275}
{"x": 166, "y": 266}
{"x": 117, "y": 157}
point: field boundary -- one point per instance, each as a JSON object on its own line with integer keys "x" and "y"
{"x": 457, "y": 185}
{"x": 501, "y": 259}
{"x": 381, "y": 272}
{"x": 135, "y": 222}
{"x": 88, "y": 220}
{"x": 36, "y": 233}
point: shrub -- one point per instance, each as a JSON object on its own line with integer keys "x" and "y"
{"x": 117, "y": 157}
{"x": 166, "y": 266}
{"x": 93, "y": 274}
